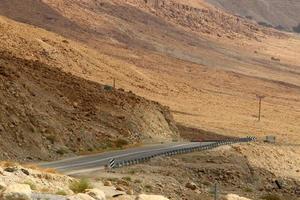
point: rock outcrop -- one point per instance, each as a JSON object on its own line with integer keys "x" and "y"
{"x": 17, "y": 192}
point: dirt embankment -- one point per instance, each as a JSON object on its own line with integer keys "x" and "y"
{"x": 45, "y": 113}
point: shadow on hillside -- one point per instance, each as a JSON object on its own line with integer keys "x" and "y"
{"x": 38, "y": 14}
{"x": 138, "y": 24}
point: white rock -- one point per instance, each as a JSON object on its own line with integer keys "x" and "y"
{"x": 80, "y": 196}
{"x": 151, "y": 197}
{"x": 17, "y": 192}
{"x": 111, "y": 192}
{"x": 96, "y": 194}
{"x": 235, "y": 197}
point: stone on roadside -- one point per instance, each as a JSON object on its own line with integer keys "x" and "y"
{"x": 108, "y": 183}
{"x": 130, "y": 192}
{"x": 235, "y": 197}
{"x": 151, "y": 197}
{"x": 17, "y": 192}
{"x": 96, "y": 194}
{"x": 80, "y": 196}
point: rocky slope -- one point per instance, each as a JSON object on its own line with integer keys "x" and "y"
{"x": 46, "y": 113}
{"x": 280, "y": 14}
{"x": 164, "y": 52}
{"x": 28, "y": 183}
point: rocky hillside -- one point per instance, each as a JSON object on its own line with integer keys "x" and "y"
{"x": 205, "y": 64}
{"x": 280, "y": 14}
{"x": 30, "y": 183}
{"x": 46, "y": 113}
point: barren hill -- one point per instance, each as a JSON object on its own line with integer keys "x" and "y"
{"x": 46, "y": 112}
{"x": 280, "y": 14}
{"x": 205, "y": 64}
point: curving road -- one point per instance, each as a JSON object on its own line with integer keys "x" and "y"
{"x": 89, "y": 163}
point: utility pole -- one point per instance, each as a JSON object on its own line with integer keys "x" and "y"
{"x": 260, "y": 98}
{"x": 114, "y": 83}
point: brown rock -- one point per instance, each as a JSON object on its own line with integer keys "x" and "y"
{"x": 191, "y": 186}
{"x": 120, "y": 188}
{"x": 108, "y": 183}
{"x": 130, "y": 192}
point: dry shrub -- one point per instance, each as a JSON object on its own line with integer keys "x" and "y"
{"x": 80, "y": 186}
{"x": 8, "y": 164}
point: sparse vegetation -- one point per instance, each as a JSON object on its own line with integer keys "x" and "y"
{"x": 137, "y": 181}
{"x": 248, "y": 190}
{"x": 148, "y": 187}
{"x": 271, "y": 197}
{"x": 61, "y": 192}
{"x": 127, "y": 178}
{"x": 132, "y": 171}
{"x": 31, "y": 184}
{"x": 121, "y": 143}
{"x": 8, "y": 164}
{"x": 80, "y": 186}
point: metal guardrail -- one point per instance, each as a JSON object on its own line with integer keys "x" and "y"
{"x": 142, "y": 159}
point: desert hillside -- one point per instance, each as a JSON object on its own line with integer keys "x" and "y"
{"x": 167, "y": 52}
{"x": 79, "y": 77}
{"x": 46, "y": 113}
{"x": 280, "y": 14}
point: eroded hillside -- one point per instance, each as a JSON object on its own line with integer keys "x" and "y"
{"x": 46, "y": 113}
{"x": 206, "y": 65}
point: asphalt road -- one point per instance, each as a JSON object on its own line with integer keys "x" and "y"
{"x": 89, "y": 163}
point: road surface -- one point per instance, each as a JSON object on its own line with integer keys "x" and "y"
{"x": 89, "y": 163}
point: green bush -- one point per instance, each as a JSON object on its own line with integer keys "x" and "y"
{"x": 80, "y": 186}
{"x": 271, "y": 197}
{"x": 31, "y": 184}
{"x": 148, "y": 187}
{"x": 61, "y": 192}
{"x": 248, "y": 189}
{"x": 127, "y": 178}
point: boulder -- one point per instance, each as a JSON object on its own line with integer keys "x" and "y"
{"x": 11, "y": 169}
{"x": 130, "y": 192}
{"x": 235, "y": 197}
{"x": 108, "y": 183}
{"x": 17, "y": 192}
{"x": 96, "y": 194}
{"x": 80, "y": 196}
{"x": 191, "y": 186}
{"x": 111, "y": 192}
{"x": 151, "y": 197}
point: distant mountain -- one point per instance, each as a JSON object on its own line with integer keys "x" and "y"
{"x": 280, "y": 14}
